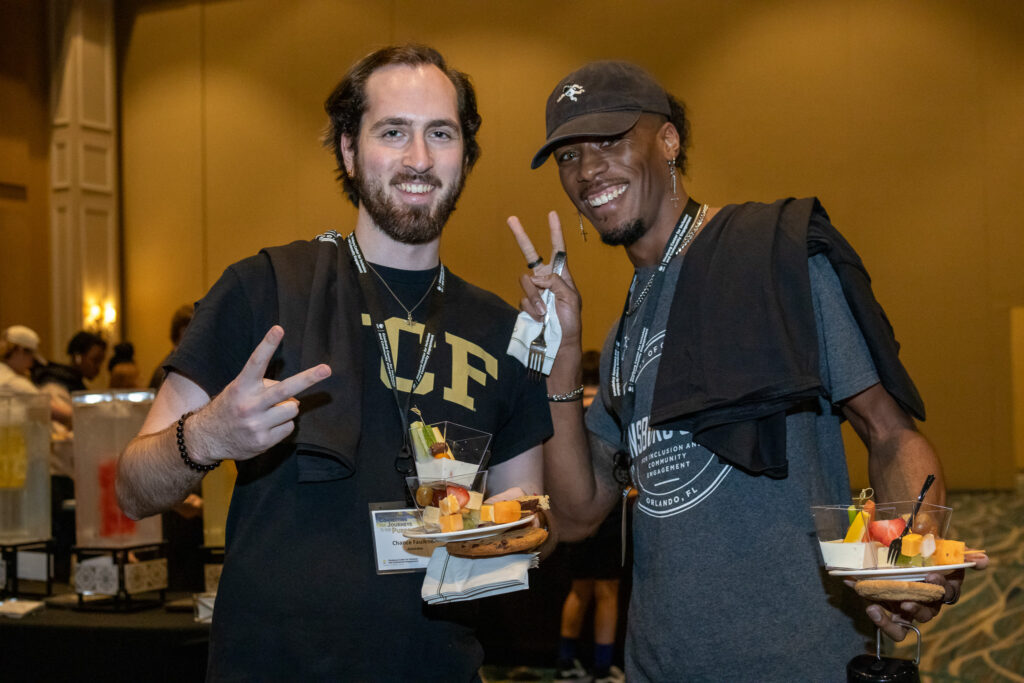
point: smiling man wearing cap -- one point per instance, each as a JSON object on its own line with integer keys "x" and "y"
{"x": 747, "y": 333}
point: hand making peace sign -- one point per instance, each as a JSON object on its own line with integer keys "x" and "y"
{"x": 254, "y": 413}
{"x": 568, "y": 304}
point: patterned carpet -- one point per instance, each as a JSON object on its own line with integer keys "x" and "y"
{"x": 981, "y": 638}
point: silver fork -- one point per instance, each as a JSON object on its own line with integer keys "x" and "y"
{"x": 539, "y": 346}
{"x": 896, "y": 545}
{"x": 538, "y": 349}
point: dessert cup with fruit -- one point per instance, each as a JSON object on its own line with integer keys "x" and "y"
{"x": 857, "y": 537}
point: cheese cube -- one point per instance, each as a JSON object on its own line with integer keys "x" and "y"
{"x": 486, "y": 513}
{"x": 506, "y": 511}
{"x": 449, "y": 505}
{"x": 451, "y": 523}
{"x": 431, "y": 515}
{"x": 948, "y": 552}
{"x": 476, "y": 499}
{"x": 911, "y": 545}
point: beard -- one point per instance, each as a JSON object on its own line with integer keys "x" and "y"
{"x": 626, "y": 234}
{"x": 407, "y": 224}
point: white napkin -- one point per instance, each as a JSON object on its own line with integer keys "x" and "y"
{"x": 527, "y": 329}
{"x": 453, "y": 579}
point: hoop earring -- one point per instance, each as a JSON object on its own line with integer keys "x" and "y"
{"x": 583, "y": 234}
{"x": 672, "y": 174}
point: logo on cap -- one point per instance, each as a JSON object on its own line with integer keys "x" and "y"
{"x": 571, "y": 91}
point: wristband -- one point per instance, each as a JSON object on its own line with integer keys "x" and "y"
{"x": 574, "y": 395}
{"x": 183, "y": 449}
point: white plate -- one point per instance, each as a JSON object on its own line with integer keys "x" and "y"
{"x": 899, "y": 573}
{"x": 465, "y": 534}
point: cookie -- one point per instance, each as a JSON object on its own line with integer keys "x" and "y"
{"x": 884, "y": 589}
{"x": 515, "y": 541}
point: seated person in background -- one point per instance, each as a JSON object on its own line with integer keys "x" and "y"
{"x": 87, "y": 351}
{"x": 179, "y": 321}
{"x": 124, "y": 373}
{"x": 19, "y": 353}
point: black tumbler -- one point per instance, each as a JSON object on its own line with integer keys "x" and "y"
{"x": 878, "y": 669}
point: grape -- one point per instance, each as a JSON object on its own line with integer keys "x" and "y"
{"x": 424, "y": 496}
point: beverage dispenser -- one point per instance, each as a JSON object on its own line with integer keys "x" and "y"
{"x": 24, "y": 468}
{"x": 105, "y": 421}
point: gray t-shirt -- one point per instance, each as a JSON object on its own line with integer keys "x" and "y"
{"x": 727, "y": 578}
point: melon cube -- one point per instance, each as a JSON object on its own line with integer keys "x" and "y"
{"x": 451, "y": 523}
{"x": 476, "y": 499}
{"x": 506, "y": 511}
{"x": 431, "y": 515}
{"x": 449, "y": 505}
{"x": 486, "y": 513}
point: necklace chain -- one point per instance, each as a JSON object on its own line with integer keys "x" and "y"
{"x": 691, "y": 232}
{"x": 408, "y": 311}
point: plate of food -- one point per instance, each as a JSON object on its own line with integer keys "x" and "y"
{"x": 899, "y": 573}
{"x": 427, "y": 531}
{"x": 897, "y": 541}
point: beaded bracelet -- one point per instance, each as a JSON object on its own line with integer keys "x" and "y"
{"x": 574, "y": 395}
{"x": 184, "y": 449}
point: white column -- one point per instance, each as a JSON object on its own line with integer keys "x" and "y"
{"x": 84, "y": 226}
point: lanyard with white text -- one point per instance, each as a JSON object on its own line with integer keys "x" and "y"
{"x": 404, "y": 461}
{"x": 623, "y": 394}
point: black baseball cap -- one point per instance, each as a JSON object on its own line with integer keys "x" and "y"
{"x": 600, "y": 99}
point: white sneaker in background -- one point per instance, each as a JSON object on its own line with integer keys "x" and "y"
{"x": 572, "y": 673}
{"x": 615, "y": 675}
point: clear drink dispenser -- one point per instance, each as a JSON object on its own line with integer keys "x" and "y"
{"x": 104, "y": 423}
{"x": 24, "y": 468}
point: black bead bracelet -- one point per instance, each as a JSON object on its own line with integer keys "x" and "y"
{"x": 183, "y": 449}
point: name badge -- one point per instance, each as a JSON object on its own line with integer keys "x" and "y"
{"x": 393, "y": 552}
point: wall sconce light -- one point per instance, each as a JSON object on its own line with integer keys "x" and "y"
{"x": 100, "y": 318}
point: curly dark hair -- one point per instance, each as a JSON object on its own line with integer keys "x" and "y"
{"x": 347, "y": 103}
{"x": 682, "y": 124}
{"x": 83, "y": 341}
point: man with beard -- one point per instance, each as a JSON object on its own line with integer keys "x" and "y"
{"x": 350, "y": 334}
{"x": 748, "y": 332}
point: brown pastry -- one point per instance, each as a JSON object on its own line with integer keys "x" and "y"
{"x": 515, "y": 541}
{"x": 886, "y": 589}
{"x": 530, "y": 504}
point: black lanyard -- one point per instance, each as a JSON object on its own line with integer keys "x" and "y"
{"x": 623, "y": 393}
{"x": 404, "y": 461}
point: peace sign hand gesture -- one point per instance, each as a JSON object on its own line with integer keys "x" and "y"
{"x": 253, "y": 413}
{"x": 568, "y": 305}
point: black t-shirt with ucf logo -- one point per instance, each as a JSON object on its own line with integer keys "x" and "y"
{"x": 299, "y": 596}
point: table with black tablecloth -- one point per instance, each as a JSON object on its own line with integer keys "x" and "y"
{"x": 58, "y": 644}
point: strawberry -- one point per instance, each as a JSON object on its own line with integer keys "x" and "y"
{"x": 887, "y": 530}
{"x": 461, "y": 494}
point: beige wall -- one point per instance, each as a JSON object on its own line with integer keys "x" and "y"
{"x": 24, "y": 181}
{"x": 904, "y": 118}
